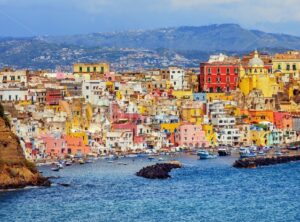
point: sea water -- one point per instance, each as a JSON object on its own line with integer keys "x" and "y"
{"x": 203, "y": 190}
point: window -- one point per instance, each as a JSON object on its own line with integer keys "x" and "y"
{"x": 228, "y": 88}
{"x": 227, "y": 71}
{"x": 209, "y": 70}
{"x": 208, "y": 79}
{"x": 294, "y": 67}
{"x": 87, "y": 87}
{"x": 88, "y": 69}
{"x": 279, "y": 66}
{"x": 95, "y": 68}
{"x": 80, "y": 69}
{"x": 218, "y": 79}
{"x": 172, "y": 77}
{"x": 288, "y": 67}
{"x": 236, "y": 71}
{"x": 227, "y": 79}
{"x": 102, "y": 69}
{"x": 218, "y": 71}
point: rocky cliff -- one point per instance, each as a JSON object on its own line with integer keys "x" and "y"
{"x": 15, "y": 170}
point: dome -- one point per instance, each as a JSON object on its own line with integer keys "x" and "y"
{"x": 256, "y": 61}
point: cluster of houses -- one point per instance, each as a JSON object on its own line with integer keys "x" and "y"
{"x": 229, "y": 101}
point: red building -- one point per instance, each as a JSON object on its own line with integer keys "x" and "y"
{"x": 53, "y": 96}
{"x": 218, "y": 76}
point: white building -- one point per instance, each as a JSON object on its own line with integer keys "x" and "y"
{"x": 122, "y": 139}
{"x": 14, "y": 94}
{"x": 177, "y": 78}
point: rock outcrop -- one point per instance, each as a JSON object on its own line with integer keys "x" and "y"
{"x": 264, "y": 161}
{"x": 15, "y": 170}
{"x": 159, "y": 170}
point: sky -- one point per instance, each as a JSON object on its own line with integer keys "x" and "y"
{"x": 20, "y": 18}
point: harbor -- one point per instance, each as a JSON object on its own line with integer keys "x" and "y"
{"x": 195, "y": 192}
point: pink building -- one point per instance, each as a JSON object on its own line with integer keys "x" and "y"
{"x": 117, "y": 114}
{"x": 191, "y": 136}
{"x": 55, "y": 147}
{"x": 283, "y": 120}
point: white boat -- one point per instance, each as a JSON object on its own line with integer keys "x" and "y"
{"x": 204, "y": 154}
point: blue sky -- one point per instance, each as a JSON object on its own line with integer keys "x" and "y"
{"x": 61, "y": 17}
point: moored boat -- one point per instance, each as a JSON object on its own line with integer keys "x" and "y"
{"x": 246, "y": 153}
{"x": 81, "y": 161}
{"x": 223, "y": 151}
{"x": 55, "y": 169}
{"x": 204, "y": 154}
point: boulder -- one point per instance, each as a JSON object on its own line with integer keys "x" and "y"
{"x": 159, "y": 170}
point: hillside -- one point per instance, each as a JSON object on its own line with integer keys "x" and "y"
{"x": 228, "y": 37}
{"x": 133, "y": 50}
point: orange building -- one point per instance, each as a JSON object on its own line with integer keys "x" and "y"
{"x": 76, "y": 146}
{"x": 257, "y": 116}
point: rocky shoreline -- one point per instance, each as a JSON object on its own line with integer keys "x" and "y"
{"x": 264, "y": 161}
{"x": 159, "y": 170}
{"x": 15, "y": 171}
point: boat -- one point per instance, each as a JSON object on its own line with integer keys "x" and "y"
{"x": 132, "y": 155}
{"x": 55, "y": 169}
{"x": 222, "y": 151}
{"x": 261, "y": 153}
{"x": 110, "y": 161}
{"x": 246, "y": 153}
{"x": 292, "y": 148}
{"x": 89, "y": 161}
{"x": 204, "y": 154}
{"x": 68, "y": 163}
{"x": 161, "y": 159}
{"x": 122, "y": 163}
{"x": 278, "y": 153}
{"x": 151, "y": 157}
{"x": 59, "y": 165}
{"x": 81, "y": 161}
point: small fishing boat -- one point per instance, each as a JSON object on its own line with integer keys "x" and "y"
{"x": 261, "y": 153}
{"x": 246, "y": 153}
{"x": 204, "y": 154}
{"x": 81, "y": 161}
{"x": 222, "y": 151}
{"x": 59, "y": 165}
{"x": 68, "y": 163}
{"x": 110, "y": 161}
{"x": 292, "y": 148}
{"x": 278, "y": 153}
{"x": 151, "y": 157}
{"x": 55, "y": 169}
{"x": 132, "y": 155}
{"x": 161, "y": 159}
{"x": 89, "y": 160}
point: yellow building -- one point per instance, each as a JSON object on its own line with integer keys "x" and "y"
{"x": 256, "y": 76}
{"x": 100, "y": 68}
{"x": 192, "y": 113}
{"x": 259, "y": 138}
{"x": 170, "y": 127}
{"x": 218, "y": 96}
{"x": 183, "y": 94}
{"x": 288, "y": 64}
{"x": 210, "y": 135}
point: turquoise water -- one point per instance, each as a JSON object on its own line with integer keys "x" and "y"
{"x": 208, "y": 190}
